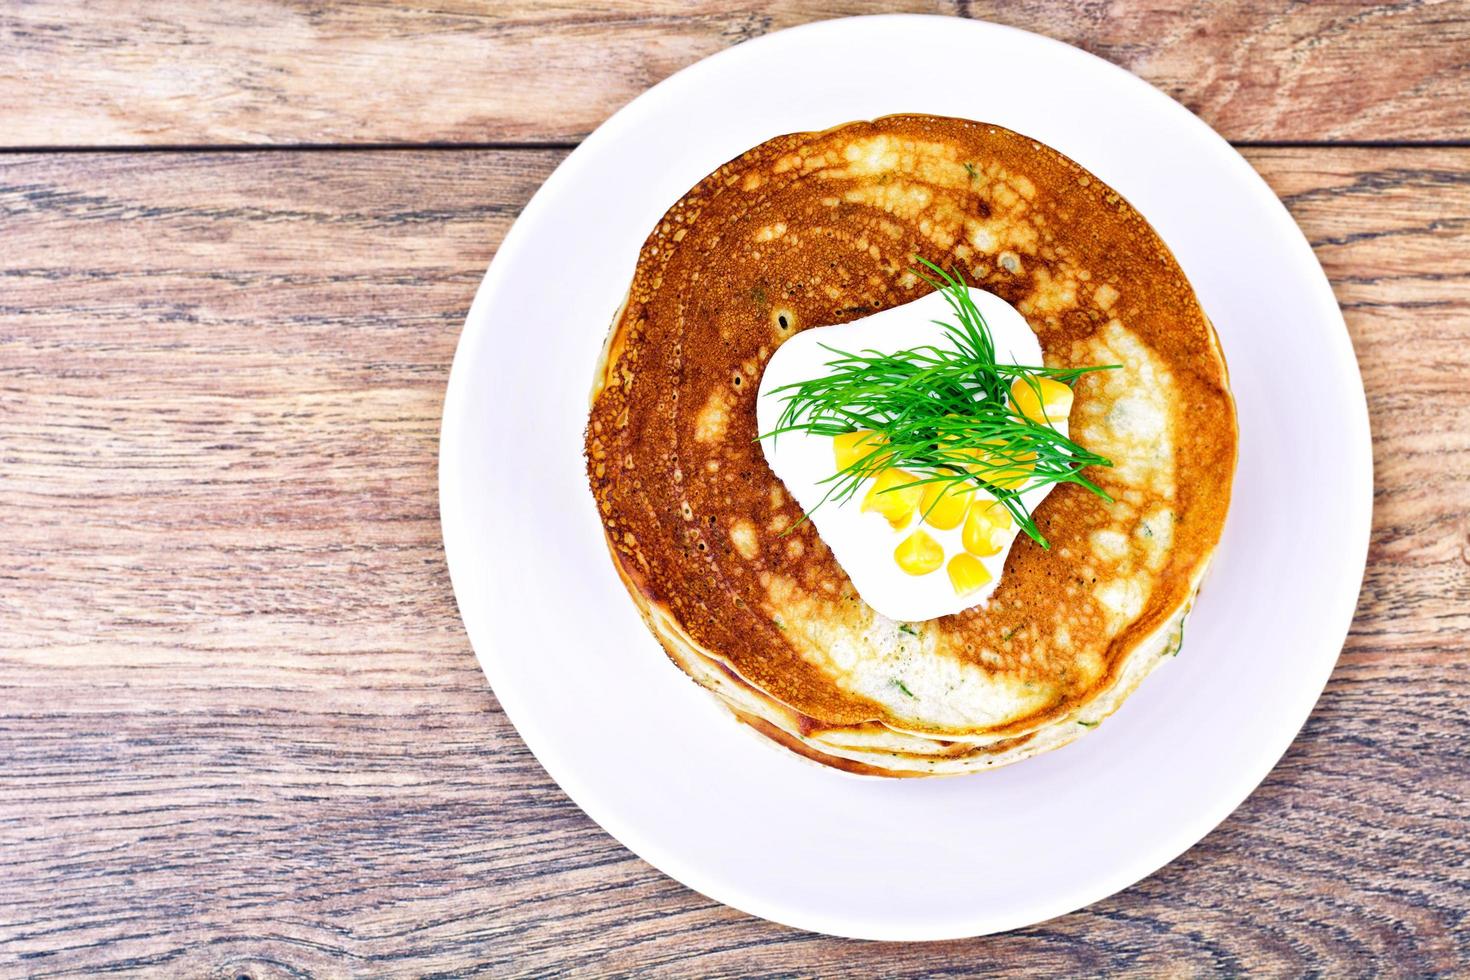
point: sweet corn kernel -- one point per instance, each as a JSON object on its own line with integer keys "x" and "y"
{"x": 1043, "y": 400}
{"x": 967, "y": 573}
{"x": 1000, "y": 467}
{"x": 987, "y": 525}
{"x": 944, "y": 504}
{"x": 894, "y": 495}
{"x": 851, "y": 447}
{"x": 918, "y": 554}
{"x": 951, "y": 435}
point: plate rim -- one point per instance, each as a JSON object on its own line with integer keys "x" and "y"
{"x": 1188, "y": 832}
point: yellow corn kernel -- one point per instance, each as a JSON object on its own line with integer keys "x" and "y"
{"x": 851, "y": 447}
{"x": 967, "y": 573}
{"x": 1043, "y": 400}
{"x": 987, "y": 525}
{"x": 1000, "y": 467}
{"x": 944, "y": 504}
{"x": 894, "y": 495}
{"x": 951, "y": 436}
{"x": 918, "y": 554}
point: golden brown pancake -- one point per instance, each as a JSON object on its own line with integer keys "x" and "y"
{"x": 812, "y": 229}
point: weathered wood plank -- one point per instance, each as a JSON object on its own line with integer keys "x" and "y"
{"x": 175, "y": 72}
{"x": 243, "y": 733}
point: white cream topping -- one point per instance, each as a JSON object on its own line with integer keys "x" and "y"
{"x": 864, "y": 542}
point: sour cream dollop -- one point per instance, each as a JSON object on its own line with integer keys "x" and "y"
{"x": 864, "y": 542}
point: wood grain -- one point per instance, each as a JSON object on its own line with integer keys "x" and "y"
{"x": 243, "y": 733}
{"x": 280, "y": 72}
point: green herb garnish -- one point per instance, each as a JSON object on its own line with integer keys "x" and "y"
{"x": 902, "y": 687}
{"x": 935, "y": 407}
{"x": 906, "y": 628}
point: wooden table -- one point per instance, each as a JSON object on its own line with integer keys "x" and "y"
{"x": 242, "y": 733}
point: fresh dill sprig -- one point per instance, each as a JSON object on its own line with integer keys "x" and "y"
{"x": 935, "y": 407}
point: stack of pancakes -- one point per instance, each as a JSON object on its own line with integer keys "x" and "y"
{"x": 812, "y": 229}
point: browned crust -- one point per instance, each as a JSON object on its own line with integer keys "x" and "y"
{"x": 702, "y": 310}
{"x": 803, "y": 749}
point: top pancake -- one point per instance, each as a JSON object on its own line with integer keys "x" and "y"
{"x": 812, "y": 229}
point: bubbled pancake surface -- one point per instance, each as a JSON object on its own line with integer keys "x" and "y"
{"x": 811, "y": 229}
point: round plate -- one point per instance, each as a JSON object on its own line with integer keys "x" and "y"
{"x": 652, "y": 758}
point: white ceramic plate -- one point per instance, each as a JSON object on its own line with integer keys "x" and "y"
{"x": 652, "y": 759}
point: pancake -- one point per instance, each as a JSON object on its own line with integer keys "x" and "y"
{"x": 811, "y": 229}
